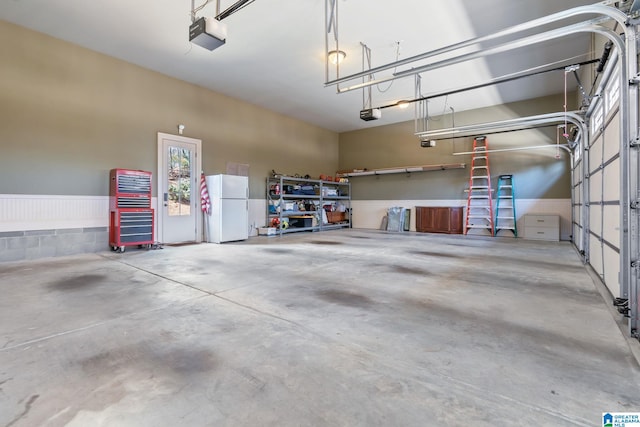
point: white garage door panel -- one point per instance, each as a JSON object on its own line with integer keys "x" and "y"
{"x": 612, "y": 181}
{"x": 612, "y": 138}
{"x": 577, "y": 174}
{"x": 595, "y": 192}
{"x": 595, "y": 154}
{"x": 595, "y": 252}
{"x": 577, "y": 216}
{"x": 595, "y": 219}
{"x": 611, "y": 269}
{"x": 611, "y": 232}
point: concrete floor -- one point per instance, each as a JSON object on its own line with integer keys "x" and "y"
{"x": 344, "y": 328}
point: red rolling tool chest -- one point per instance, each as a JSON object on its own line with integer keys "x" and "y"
{"x": 131, "y": 219}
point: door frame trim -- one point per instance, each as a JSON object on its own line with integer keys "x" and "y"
{"x": 198, "y": 170}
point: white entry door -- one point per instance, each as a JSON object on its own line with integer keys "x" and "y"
{"x": 179, "y": 214}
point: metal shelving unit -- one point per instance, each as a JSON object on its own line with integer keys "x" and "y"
{"x": 299, "y": 202}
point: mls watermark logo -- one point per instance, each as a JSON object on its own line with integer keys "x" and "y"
{"x": 621, "y": 419}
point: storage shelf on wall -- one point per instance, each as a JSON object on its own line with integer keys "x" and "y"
{"x": 403, "y": 169}
{"x": 304, "y": 212}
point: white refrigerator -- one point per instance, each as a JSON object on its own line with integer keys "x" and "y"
{"x": 229, "y": 218}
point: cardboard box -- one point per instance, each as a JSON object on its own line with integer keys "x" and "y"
{"x": 336, "y": 217}
{"x": 266, "y": 231}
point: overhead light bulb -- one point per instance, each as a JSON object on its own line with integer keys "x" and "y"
{"x": 336, "y": 56}
{"x": 402, "y": 104}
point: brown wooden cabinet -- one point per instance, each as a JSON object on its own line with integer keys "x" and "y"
{"x": 439, "y": 219}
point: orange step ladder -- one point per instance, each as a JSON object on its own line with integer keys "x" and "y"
{"x": 479, "y": 201}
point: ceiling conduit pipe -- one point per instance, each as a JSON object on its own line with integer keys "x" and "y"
{"x": 597, "y": 9}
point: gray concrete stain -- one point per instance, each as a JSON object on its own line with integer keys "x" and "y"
{"x": 325, "y": 242}
{"x": 435, "y": 254}
{"x": 410, "y": 270}
{"x": 151, "y": 357}
{"x": 279, "y": 251}
{"x": 77, "y": 282}
{"x": 350, "y": 299}
{"x": 187, "y": 361}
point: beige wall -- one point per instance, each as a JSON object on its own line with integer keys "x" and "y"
{"x": 69, "y": 115}
{"x": 537, "y": 173}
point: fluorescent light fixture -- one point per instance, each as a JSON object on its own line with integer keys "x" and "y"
{"x": 336, "y": 56}
{"x": 403, "y": 104}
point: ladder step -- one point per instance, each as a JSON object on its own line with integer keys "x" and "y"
{"x": 502, "y": 227}
{"x": 505, "y": 197}
{"x": 479, "y": 217}
{"x": 506, "y": 186}
{"x": 479, "y": 226}
{"x": 480, "y": 177}
{"x": 504, "y": 217}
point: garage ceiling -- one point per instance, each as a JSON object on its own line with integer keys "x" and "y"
{"x": 274, "y": 55}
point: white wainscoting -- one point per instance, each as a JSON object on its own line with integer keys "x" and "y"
{"x": 22, "y": 212}
{"x": 43, "y": 212}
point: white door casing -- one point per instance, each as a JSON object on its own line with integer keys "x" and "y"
{"x": 179, "y": 216}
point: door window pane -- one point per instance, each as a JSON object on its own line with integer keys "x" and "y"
{"x": 179, "y": 185}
